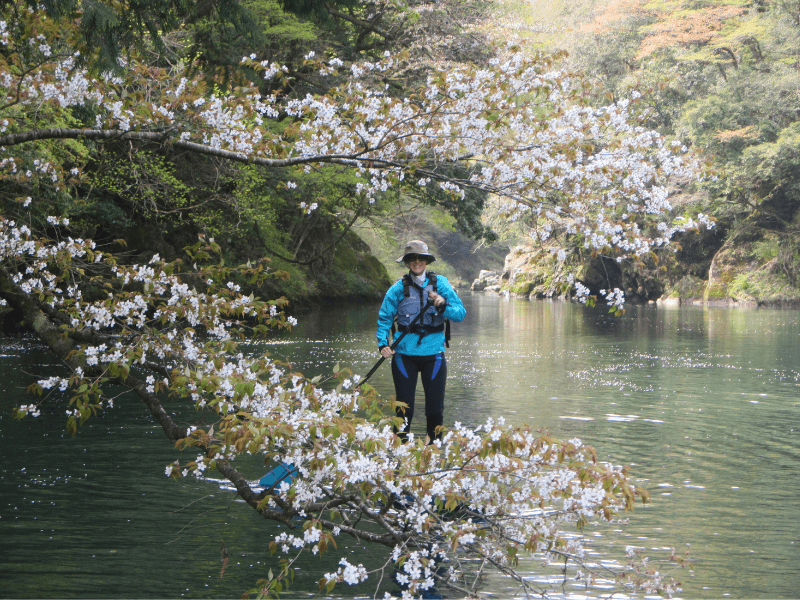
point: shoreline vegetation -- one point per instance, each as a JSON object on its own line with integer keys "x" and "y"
{"x": 725, "y": 79}
{"x": 526, "y": 274}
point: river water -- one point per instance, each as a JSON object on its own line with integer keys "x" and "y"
{"x": 701, "y": 402}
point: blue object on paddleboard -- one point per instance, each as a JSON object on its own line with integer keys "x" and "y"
{"x": 279, "y": 474}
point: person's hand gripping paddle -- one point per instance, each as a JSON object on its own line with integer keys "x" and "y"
{"x": 433, "y": 299}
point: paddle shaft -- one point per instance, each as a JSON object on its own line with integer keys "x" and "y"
{"x": 289, "y": 472}
{"x": 394, "y": 344}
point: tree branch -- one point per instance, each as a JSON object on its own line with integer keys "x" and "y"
{"x": 14, "y": 139}
{"x": 321, "y": 252}
{"x": 37, "y": 320}
{"x": 359, "y": 23}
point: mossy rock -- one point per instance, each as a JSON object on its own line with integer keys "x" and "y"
{"x": 521, "y": 289}
{"x": 727, "y": 264}
{"x": 544, "y": 290}
{"x": 688, "y": 288}
{"x": 753, "y": 272}
{"x": 347, "y": 273}
{"x": 529, "y": 271}
{"x": 362, "y": 274}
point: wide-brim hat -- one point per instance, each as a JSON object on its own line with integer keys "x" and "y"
{"x": 417, "y": 247}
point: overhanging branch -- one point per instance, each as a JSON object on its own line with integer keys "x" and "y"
{"x": 165, "y": 138}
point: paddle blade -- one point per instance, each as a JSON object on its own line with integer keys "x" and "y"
{"x": 282, "y": 472}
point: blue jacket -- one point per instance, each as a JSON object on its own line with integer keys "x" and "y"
{"x": 431, "y": 343}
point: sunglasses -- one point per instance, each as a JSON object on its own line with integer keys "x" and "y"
{"x": 415, "y": 257}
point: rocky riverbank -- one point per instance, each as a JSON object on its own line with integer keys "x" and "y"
{"x": 749, "y": 274}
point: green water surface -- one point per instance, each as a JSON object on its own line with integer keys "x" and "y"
{"x": 702, "y": 403}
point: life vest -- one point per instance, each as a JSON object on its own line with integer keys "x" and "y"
{"x": 432, "y": 321}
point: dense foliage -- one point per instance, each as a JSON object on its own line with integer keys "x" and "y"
{"x": 725, "y": 76}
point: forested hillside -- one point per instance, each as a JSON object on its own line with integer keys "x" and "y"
{"x": 724, "y": 78}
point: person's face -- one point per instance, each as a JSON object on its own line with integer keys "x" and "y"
{"x": 416, "y": 264}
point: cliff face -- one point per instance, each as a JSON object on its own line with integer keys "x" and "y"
{"x": 527, "y": 272}
{"x": 761, "y": 271}
{"x": 533, "y": 271}
{"x": 530, "y": 272}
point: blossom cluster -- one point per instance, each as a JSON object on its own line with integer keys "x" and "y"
{"x": 615, "y": 297}
{"x": 524, "y": 484}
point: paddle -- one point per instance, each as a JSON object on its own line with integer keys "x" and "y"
{"x": 397, "y": 341}
{"x": 286, "y": 472}
{"x": 282, "y": 472}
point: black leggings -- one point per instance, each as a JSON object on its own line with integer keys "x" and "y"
{"x": 433, "y": 369}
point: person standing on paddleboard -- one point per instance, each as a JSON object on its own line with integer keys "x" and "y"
{"x": 421, "y": 351}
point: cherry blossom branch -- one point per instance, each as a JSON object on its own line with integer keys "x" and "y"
{"x": 524, "y": 132}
